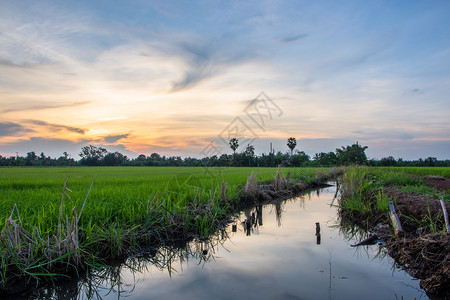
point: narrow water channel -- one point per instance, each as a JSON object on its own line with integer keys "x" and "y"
{"x": 277, "y": 254}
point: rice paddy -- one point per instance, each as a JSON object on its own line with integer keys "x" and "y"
{"x": 60, "y": 220}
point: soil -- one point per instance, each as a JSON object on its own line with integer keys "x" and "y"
{"x": 439, "y": 183}
{"x": 414, "y": 210}
{"x": 426, "y": 257}
{"x": 422, "y": 253}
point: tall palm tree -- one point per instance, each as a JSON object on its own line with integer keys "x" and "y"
{"x": 234, "y": 144}
{"x": 291, "y": 143}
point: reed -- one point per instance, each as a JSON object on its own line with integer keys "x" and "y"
{"x": 251, "y": 188}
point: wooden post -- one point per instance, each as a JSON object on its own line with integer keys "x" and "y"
{"x": 394, "y": 218}
{"x": 335, "y": 177}
{"x": 444, "y": 209}
{"x": 248, "y": 226}
{"x": 318, "y": 233}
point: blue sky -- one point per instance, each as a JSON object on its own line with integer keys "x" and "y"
{"x": 170, "y": 76}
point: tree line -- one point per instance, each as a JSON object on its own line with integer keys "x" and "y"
{"x": 346, "y": 155}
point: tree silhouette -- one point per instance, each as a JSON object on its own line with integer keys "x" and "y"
{"x": 352, "y": 155}
{"x": 91, "y": 155}
{"x": 234, "y": 144}
{"x": 291, "y": 143}
{"x": 250, "y": 152}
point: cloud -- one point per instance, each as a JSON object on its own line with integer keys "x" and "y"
{"x": 409, "y": 150}
{"x": 58, "y": 127}
{"x": 119, "y": 148}
{"x": 114, "y": 138}
{"x": 294, "y": 38}
{"x": 46, "y": 106}
{"x": 50, "y": 146}
{"x": 200, "y": 60}
{"x": 206, "y": 58}
{"x": 54, "y": 147}
{"x": 385, "y": 134}
{"x": 22, "y": 65}
{"x": 12, "y": 129}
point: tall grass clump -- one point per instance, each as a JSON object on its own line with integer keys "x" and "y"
{"x": 355, "y": 187}
{"x": 251, "y": 188}
{"x": 382, "y": 200}
{"x": 362, "y": 198}
{"x": 36, "y": 255}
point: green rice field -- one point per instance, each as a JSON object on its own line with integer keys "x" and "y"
{"x": 424, "y": 171}
{"x": 55, "y": 219}
{"x": 119, "y": 194}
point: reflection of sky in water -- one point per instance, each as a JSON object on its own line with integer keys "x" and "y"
{"x": 280, "y": 262}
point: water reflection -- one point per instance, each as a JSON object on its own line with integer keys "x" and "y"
{"x": 103, "y": 282}
{"x": 285, "y": 250}
{"x": 254, "y": 215}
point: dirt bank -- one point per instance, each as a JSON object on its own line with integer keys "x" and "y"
{"x": 440, "y": 183}
{"x": 422, "y": 252}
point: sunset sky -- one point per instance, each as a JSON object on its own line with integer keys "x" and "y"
{"x": 173, "y": 76}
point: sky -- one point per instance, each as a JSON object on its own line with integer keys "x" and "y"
{"x": 183, "y": 77}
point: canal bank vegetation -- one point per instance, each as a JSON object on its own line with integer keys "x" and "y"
{"x": 54, "y": 228}
{"x": 422, "y": 246}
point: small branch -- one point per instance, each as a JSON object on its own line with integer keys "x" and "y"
{"x": 335, "y": 177}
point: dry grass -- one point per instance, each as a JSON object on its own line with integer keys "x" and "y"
{"x": 251, "y": 187}
{"x": 280, "y": 183}
{"x": 27, "y": 253}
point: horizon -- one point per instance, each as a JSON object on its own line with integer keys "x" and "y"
{"x": 180, "y": 78}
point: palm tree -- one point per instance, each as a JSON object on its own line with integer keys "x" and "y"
{"x": 234, "y": 144}
{"x": 249, "y": 151}
{"x": 291, "y": 143}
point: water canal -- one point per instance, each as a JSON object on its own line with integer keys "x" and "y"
{"x": 276, "y": 254}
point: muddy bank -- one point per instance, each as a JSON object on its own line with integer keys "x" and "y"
{"x": 438, "y": 182}
{"x": 416, "y": 211}
{"x": 421, "y": 251}
{"x": 426, "y": 257}
{"x": 423, "y": 248}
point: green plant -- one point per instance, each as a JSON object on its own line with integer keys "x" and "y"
{"x": 382, "y": 201}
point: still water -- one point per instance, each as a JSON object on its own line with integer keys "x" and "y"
{"x": 276, "y": 254}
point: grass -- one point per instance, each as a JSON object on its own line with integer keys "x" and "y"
{"x": 363, "y": 196}
{"x": 424, "y": 171}
{"x": 54, "y": 220}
